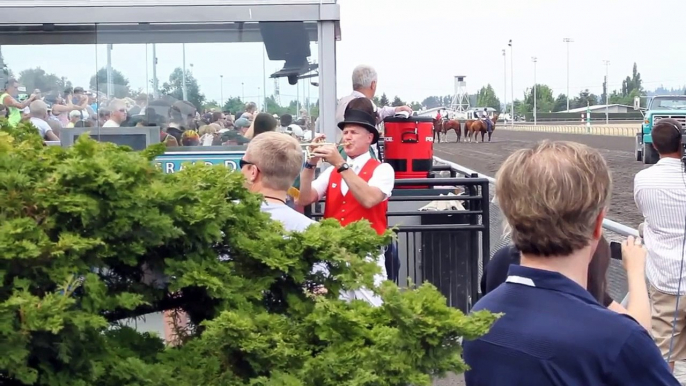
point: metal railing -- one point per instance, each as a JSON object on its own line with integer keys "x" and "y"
{"x": 446, "y": 248}
{"x": 614, "y": 231}
{"x": 607, "y": 223}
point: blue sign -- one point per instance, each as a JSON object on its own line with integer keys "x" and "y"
{"x": 173, "y": 161}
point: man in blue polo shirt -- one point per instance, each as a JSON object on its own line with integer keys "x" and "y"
{"x": 553, "y": 332}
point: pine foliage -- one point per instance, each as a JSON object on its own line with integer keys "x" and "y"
{"x": 95, "y": 234}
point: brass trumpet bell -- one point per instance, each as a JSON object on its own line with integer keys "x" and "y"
{"x": 309, "y": 148}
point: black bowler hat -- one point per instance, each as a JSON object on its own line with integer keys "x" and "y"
{"x": 361, "y": 118}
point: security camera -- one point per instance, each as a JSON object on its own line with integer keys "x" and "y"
{"x": 292, "y": 79}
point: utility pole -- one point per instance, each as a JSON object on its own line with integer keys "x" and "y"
{"x": 535, "y": 59}
{"x": 568, "y": 40}
{"x": 512, "y": 79}
{"x": 110, "y": 82}
{"x": 505, "y": 78}
{"x": 183, "y": 76}
{"x": 155, "y": 85}
{"x": 607, "y": 92}
{"x": 221, "y": 80}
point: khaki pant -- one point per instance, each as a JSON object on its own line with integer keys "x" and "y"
{"x": 662, "y": 310}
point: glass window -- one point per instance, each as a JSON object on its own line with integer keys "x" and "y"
{"x": 201, "y": 84}
{"x": 669, "y": 103}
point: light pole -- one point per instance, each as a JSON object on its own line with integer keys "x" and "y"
{"x": 183, "y": 77}
{"x": 607, "y": 92}
{"x": 535, "y": 59}
{"x": 568, "y": 40}
{"x": 110, "y": 82}
{"x": 505, "y": 77}
{"x": 264, "y": 79}
{"x": 221, "y": 77}
{"x": 512, "y": 80}
{"x": 155, "y": 84}
{"x": 242, "y": 92}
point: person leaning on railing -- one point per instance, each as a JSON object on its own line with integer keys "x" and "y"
{"x": 553, "y": 331}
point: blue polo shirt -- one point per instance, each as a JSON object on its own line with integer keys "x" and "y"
{"x": 553, "y": 332}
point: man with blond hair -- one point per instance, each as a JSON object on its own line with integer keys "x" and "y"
{"x": 271, "y": 163}
{"x": 552, "y": 331}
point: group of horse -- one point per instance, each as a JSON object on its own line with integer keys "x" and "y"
{"x": 472, "y": 128}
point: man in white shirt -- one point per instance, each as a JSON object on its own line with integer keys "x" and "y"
{"x": 118, "y": 113}
{"x": 355, "y": 188}
{"x": 39, "y": 113}
{"x": 271, "y": 163}
{"x": 364, "y": 86}
{"x": 660, "y": 194}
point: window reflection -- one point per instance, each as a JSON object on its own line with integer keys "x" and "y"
{"x": 201, "y": 84}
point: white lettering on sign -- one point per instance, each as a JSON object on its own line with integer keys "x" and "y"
{"x": 388, "y": 139}
{"x": 172, "y": 167}
{"x": 429, "y": 139}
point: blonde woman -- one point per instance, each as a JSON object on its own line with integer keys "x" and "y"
{"x": 207, "y": 134}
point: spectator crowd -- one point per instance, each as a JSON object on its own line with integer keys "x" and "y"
{"x": 180, "y": 122}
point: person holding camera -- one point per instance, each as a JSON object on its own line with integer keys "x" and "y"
{"x": 552, "y": 330}
{"x": 633, "y": 255}
{"x": 660, "y": 194}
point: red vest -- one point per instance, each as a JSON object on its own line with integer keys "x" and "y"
{"x": 346, "y": 209}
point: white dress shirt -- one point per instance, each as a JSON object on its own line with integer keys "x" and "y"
{"x": 660, "y": 194}
{"x": 383, "y": 112}
{"x": 383, "y": 178}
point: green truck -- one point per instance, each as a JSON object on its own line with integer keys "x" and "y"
{"x": 659, "y": 107}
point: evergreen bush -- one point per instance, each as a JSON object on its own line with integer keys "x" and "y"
{"x": 94, "y": 234}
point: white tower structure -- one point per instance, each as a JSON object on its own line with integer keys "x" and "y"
{"x": 277, "y": 93}
{"x": 460, "y": 102}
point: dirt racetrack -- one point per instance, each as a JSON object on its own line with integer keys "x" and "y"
{"x": 486, "y": 158}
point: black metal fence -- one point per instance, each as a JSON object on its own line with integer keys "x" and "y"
{"x": 444, "y": 247}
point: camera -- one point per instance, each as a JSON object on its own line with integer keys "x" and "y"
{"x": 615, "y": 250}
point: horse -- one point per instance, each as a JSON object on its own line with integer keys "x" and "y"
{"x": 473, "y": 127}
{"x": 438, "y": 129}
{"x": 444, "y": 127}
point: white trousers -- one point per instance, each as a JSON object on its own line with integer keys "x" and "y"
{"x": 365, "y": 293}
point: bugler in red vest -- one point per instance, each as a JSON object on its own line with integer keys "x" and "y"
{"x": 346, "y": 209}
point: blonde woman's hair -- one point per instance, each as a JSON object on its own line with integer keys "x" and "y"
{"x": 216, "y": 126}
{"x": 207, "y": 129}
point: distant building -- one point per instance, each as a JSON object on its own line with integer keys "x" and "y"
{"x": 432, "y": 112}
{"x": 615, "y": 108}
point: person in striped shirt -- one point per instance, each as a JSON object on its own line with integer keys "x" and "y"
{"x": 660, "y": 194}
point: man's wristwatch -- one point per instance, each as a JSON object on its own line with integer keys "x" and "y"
{"x": 308, "y": 165}
{"x": 343, "y": 168}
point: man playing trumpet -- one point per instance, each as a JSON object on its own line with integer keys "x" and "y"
{"x": 355, "y": 188}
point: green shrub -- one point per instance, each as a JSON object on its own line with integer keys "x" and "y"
{"x": 94, "y": 234}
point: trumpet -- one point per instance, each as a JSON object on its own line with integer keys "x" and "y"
{"x": 309, "y": 147}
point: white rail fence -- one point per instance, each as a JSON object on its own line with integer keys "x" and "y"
{"x": 609, "y": 130}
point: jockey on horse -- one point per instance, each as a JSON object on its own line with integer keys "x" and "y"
{"x": 489, "y": 124}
